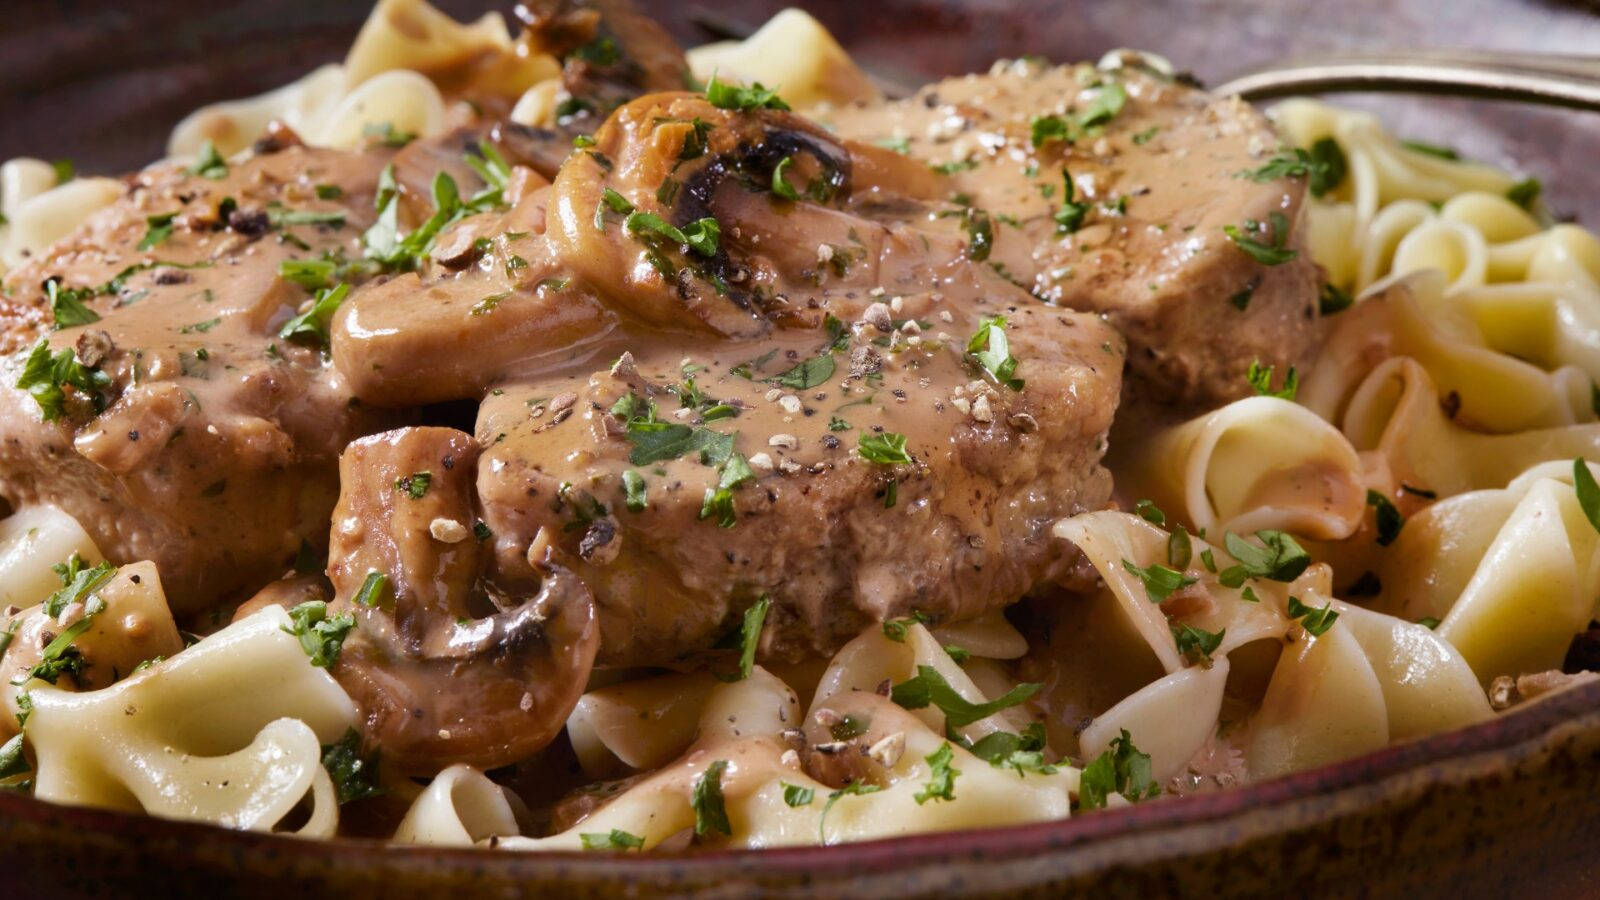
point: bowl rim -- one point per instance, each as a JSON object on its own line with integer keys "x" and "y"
{"x": 1125, "y": 832}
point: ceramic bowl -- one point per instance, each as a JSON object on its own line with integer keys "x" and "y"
{"x": 1503, "y": 809}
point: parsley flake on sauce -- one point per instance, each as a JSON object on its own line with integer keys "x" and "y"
{"x": 321, "y": 637}
{"x": 886, "y": 449}
{"x": 724, "y": 95}
{"x": 990, "y": 349}
{"x": 1272, "y": 250}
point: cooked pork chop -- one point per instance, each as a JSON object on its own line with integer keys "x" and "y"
{"x": 746, "y": 440}
{"x": 1154, "y": 180}
{"x": 196, "y": 437}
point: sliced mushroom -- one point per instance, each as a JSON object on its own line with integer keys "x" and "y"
{"x": 437, "y": 683}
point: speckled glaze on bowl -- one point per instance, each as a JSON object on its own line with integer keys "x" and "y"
{"x": 1508, "y": 808}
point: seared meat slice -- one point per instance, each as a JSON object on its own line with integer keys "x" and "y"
{"x": 819, "y": 515}
{"x": 196, "y": 437}
{"x": 769, "y": 361}
{"x": 1155, "y": 180}
{"x": 747, "y": 442}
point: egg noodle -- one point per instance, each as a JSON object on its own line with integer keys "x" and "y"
{"x": 1398, "y": 539}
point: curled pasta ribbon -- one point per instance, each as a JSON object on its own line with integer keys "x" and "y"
{"x": 794, "y": 52}
{"x": 407, "y": 58}
{"x": 38, "y": 211}
{"x": 1411, "y": 318}
{"x": 1368, "y": 679}
{"x": 33, "y": 540}
{"x": 872, "y": 657}
{"x": 1114, "y": 540}
{"x": 645, "y": 723}
{"x": 228, "y": 732}
{"x": 133, "y": 625}
{"x": 1341, "y": 227}
{"x": 412, "y": 34}
{"x": 1396, "y": 413}
{"x": 1261, "y": 462}
{"x": 460, "y": 807}
{"x": 744, "y": 724}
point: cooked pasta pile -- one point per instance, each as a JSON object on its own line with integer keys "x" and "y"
{"x": 1397, "y": 541}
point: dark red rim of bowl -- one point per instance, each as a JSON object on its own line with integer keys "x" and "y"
{"x": 1513, "y": 736}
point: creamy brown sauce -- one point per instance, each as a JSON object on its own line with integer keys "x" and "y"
{"x": 789, "y": 347}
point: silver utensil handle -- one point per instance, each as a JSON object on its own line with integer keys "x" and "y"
{"x": 1569, "y": 81}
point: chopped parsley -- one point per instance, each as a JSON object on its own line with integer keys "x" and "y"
{"x": 67, "y": 306}
{"x": 1314, "y": 621}
{"x": 990, "y": 349}
{"x": 897, "y": 629}
{"x": 1280, "y": 560}
{"x": 749, "y": 639}
{"x": 1121, "y": 769}
{"x": 354, "y": 776}
{"x": 1159, "y": 581}
{"x": 941, "y": 777}
{"x": 1022, "y": 752}
{"x": 1333, "y": 300}
{"x": 718, "y": 503}
{"x": 616, "y": 839}
{"x": 209, "y": 163}
{"x": 158, "y": 230}
{"x": 1387, "y": 517}
{"x": 1069, "y": 217}
{"x": 60, "y": 657}
{"x": 1150, "y": 512}
{"x": 1525, "y": 192}
{"x": 374, "y": 590}
{"x": 1324, "y": 166}
{"x": 1106, "y": 104}
{"x": 386, "y": 134}
{"x": 710, "y": 812}
{"x": 980, "y": 233}
{"x": 1196, "y": 644}
{"x": 12, "y": 760}
{"x": 886, "y": 449}
{"x": 310, "y": 328}
{"x": 46, "y": 377}
{"x": 701, "y": 235}
{"x": 634, "y": 491}
{"x": 1435, "y": 150}
{"x": 1179, "y": 549}
{"x": 320, "y": 637}
{"x": 76, "y": 583}
{"x": 929, "y": 687}
{"x": 780, "y": 182}
{"x": 855, "y": 788}
{"x": 808, "y": 374}
{"x": 795, "y": 796}
{"x": 1272, "y": 252}
{"x": 1260, "y": 378}
{"x": 414, "y": 485}
{"x": 1429, "y": 622}
{"x": 1588, "y": 492}
{"x": 723, "y": 95}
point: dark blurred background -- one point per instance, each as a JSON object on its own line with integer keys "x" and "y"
{"x": 102, "y": 82}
